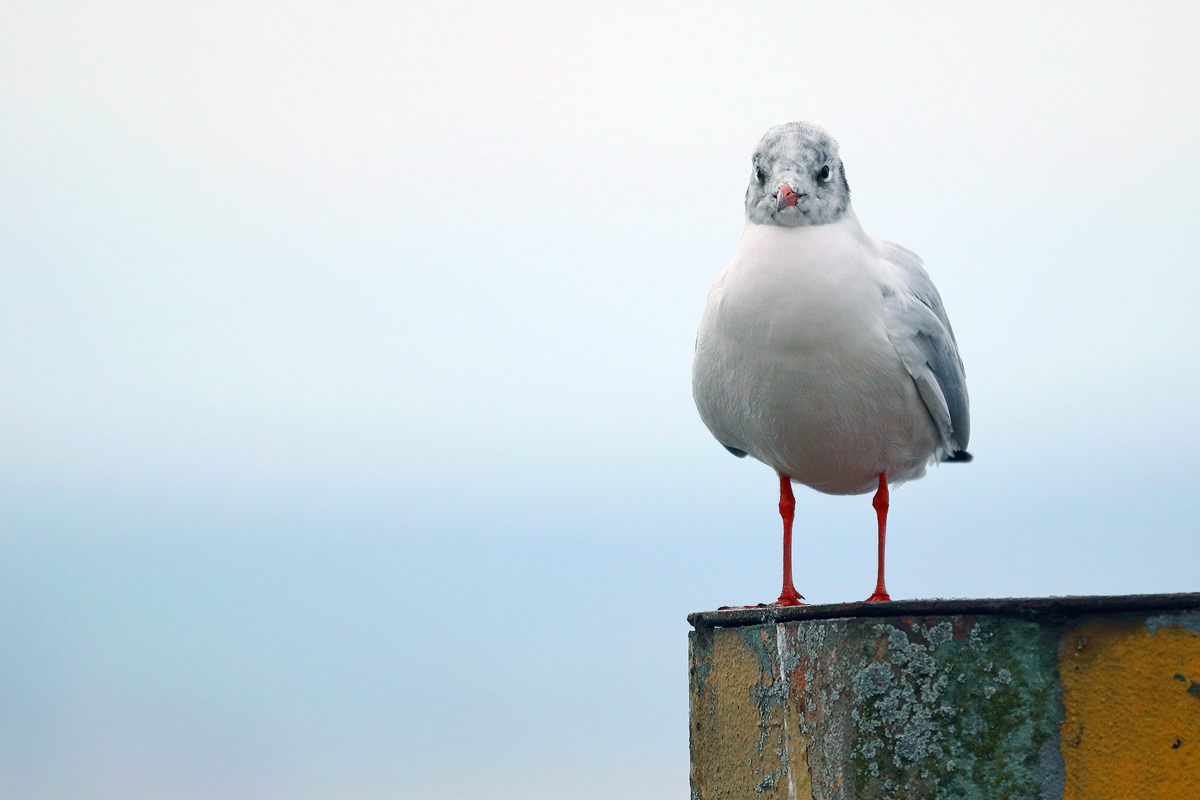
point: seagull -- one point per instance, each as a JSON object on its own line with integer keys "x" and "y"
{"x": 823, "y": 352}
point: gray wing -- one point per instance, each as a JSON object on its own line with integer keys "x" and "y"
{"x": 920, "y": 331}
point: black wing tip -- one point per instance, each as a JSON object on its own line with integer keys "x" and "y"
{"x": 959, "y": 457}
{"x": 735, "y": 451}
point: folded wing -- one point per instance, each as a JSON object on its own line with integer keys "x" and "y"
{"x": 920, "y": 331}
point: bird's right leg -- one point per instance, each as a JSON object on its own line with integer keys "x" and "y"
{"x": 787, "y": 509}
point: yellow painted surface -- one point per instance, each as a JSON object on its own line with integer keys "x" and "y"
{"x": 742, "y": 747}
{"x": 1132, "y": 727}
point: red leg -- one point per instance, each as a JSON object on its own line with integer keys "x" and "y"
{"x": 787, "y": 509}
{"x": 881, "y": 508}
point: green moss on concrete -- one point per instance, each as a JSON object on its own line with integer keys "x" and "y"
{"x": 954, "y": 718}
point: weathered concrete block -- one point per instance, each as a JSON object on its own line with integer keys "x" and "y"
{"x": 1076, "y": 698}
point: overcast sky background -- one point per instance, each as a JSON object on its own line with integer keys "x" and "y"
{"x": 346, "y": 440}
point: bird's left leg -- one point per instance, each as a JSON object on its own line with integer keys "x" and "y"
{"x": 881, "y": 508}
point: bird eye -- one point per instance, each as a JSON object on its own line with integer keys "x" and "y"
{"x": 823, "y": 175}
{"x": 759, "y": 175}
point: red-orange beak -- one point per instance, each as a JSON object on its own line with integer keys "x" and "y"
{"x": 786, "y": 198}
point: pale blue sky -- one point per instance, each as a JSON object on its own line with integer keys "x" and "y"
{"x": 346, "y": 442}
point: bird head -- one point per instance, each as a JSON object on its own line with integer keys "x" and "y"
{"x": 797, "y": 178}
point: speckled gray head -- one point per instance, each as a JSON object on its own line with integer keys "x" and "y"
{"x": 797, "y": 178}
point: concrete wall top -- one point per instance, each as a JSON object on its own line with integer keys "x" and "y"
{"x": 1027, "y": 607}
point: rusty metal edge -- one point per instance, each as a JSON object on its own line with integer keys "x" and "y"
{"x": 1067, "y": 606}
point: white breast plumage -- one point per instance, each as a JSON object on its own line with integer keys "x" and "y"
{"x": 795, "y": 367}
